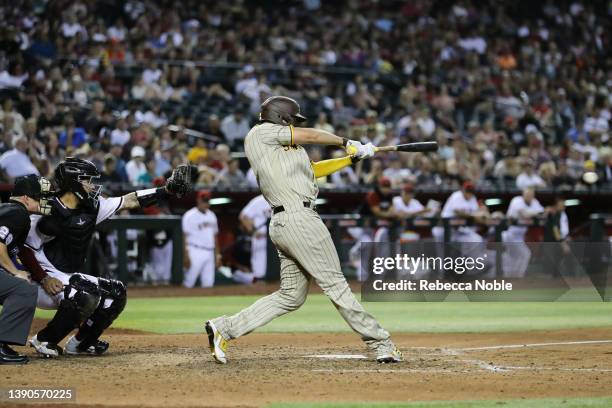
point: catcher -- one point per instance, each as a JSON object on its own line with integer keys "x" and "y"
{"x": 55, "y": 254}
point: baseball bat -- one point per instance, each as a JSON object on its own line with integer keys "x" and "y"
{"x": 410, "y": 147}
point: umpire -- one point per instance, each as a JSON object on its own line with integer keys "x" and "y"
{"x": 17, "y": 295}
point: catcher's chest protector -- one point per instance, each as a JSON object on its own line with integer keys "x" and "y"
{"x": 67, "y": 252}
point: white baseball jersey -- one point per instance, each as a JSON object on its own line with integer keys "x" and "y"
{"x": 259, "y": 211}
{"x": 458, "y": 202}
{"x": 400, "y": 206}
{"x": 200, "y": 228}
{"x": 518, "y": 208}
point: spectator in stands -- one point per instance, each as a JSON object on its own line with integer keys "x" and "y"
{"x": 109, "y": 172}
{"x": 72, "y": 136}
{"x": 323, "y": 124}
{"x": 16, "y": 162}
{"x": 17, "y": 119}
{"x": 235, "y": 127}
{"x": 136, "y": 166}
{"x": 376, "y": 172}
{"x": 213, "y": 126}
{"x": 389, "y": 93}
{"x": 528, "y": 177}
{"x": 231, "y": 176}
{"x": 147, "y": 177}
{"x": 121, "y": 135}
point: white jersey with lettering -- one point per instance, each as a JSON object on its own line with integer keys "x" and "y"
{"x": 518, "y": 209}
{"x": 200, "y": 228}
{"x": 258, "y": 211}
{"x": 458, "y": 202}
{"x": 400, "y": 206}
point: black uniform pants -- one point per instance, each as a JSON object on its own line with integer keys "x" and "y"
{"x": 18, "y": 300}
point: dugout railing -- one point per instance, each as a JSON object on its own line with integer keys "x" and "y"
{"x": 598, "y": 229}
{"x": 122, "y": 223}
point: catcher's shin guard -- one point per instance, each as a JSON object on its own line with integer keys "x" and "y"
{"x": 102, "y": 317}
{"x": 81, "y": 298}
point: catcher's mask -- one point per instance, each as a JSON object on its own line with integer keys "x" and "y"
{"x": 76, "y": 176}
{"x": 281, "y": 110}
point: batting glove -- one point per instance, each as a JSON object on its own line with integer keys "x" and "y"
{"x": 366, "y": 151}
{"x": 352, "y": 146}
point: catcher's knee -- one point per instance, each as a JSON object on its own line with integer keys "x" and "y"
{"x": 81, "y": 295}
{"x": 114, "y": 295}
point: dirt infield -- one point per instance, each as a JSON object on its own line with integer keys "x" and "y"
{"x": 176, "y": 370}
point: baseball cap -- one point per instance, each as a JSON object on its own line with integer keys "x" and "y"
{"x": 28, "y": 185}
{"x": 468, "y": 186}
{"x": 408, "y": 188}
{"x": 384, "y": 182}
{"x": 204, "y": 195}
{"x": 137, "y": 151}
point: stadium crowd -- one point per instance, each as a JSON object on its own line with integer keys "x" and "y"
{"x": 516, "y": 93}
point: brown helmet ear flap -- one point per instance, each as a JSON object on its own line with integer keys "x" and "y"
{"x": 281, "y": 110}
{"x": 287, "y": 118}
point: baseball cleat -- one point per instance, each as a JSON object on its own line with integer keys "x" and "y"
{"x": 45, "y": 349}
{"x": 73, "y": 347}
{"x": 216, "y": 342}
{"x": 390, "y": 356}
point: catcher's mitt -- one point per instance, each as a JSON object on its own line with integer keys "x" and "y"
{"x": 181, "y": 180}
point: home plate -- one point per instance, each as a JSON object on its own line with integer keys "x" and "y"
{"x": 339, "y": 356}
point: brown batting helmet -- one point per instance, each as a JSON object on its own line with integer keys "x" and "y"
{"x": 281, "y": 110}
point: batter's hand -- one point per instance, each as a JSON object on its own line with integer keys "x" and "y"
{"x": 52, "y": 286}
{"x": 352, "y": 147}
{"x": 186, "y": 262}
{"x": 366, "y": 151}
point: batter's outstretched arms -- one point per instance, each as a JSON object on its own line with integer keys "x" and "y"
{"x": 355, "y": 149}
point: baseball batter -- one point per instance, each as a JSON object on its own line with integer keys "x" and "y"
{"x": 286, "y": 178}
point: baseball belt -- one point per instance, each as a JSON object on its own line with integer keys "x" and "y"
{"x": 280, "y": 208}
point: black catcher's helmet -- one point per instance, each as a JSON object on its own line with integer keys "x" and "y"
{"x": 281, "y": 110}
{"x": 76, "y": 176}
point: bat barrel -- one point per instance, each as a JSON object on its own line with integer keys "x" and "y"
{"x": 410, "y": 147}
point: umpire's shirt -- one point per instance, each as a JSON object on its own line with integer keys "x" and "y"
{"x": 17, "y": 297}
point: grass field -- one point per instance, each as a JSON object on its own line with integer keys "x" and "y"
{"x": 175, "y": 315}
{"x": 187, "y": 315}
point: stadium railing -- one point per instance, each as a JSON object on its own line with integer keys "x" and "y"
{"x": 599, "y": 227}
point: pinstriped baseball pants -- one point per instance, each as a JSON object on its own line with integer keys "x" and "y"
{"x": 306, "y": 252}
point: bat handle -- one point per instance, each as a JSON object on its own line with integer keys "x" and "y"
{"x": 385, "y": 149}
